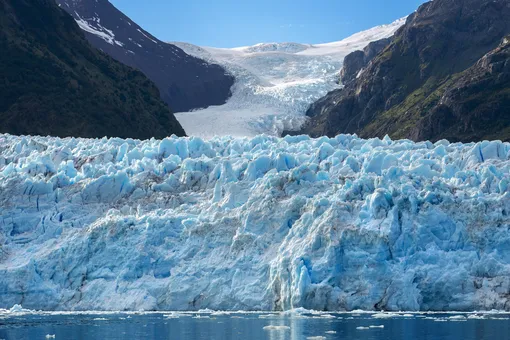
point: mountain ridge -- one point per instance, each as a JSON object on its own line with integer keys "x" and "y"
{"x": 185, "y": 82}
{"x": 403, "y": 90}
{"x": 55, "y": 83}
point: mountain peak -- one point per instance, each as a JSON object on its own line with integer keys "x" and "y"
{"x": 185, "y": 82}
{"x": 57, "y": 84}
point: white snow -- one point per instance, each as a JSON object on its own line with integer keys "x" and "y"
{"x": 99, "y": 31}
{"x": 254, "y": 224}
{"x": 145, "y": 35}
{"x": 275, "y": 83}
{"x": 276, "y": 328}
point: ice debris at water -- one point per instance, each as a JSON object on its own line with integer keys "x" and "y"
{"x": 376, "y": 326}
{"x": 330, "y": 332}
{"x": 15, "y": 310}
{"x": 254, "y": 224}
{"x": 276, "y": 328}
{"x": 457, "y": 317}
{"x": 50, "y": 336}
{"x": 361, "y": 328}
{"x": 389, "y": 315}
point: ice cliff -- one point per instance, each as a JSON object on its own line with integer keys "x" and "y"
{"x": 255, "y": 224}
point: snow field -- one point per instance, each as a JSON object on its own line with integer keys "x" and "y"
{"x": 275, "y": 83}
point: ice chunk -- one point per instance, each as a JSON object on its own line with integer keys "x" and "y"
{"x": 276, "y": 328}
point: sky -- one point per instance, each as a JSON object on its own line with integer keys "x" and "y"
{"x": 234, "y": 23}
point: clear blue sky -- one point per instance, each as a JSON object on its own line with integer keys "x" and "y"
{"x": 231, "y": 23}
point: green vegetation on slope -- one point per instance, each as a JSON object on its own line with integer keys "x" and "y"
{"x": 54, "y": 83}
{"x": 445, "y": 75}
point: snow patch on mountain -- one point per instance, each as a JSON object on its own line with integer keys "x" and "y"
{"x": 275, "y": 83}
{"x": 93, "y": 26}
{"x": 264, "y": 223}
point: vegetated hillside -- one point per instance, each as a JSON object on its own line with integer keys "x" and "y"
{"x": 55, "y": 83}
{"x": 445, "y": 74}
{"x": 185, "y": 82}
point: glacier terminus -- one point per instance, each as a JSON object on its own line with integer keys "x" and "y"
{"x": 262, "y": 223}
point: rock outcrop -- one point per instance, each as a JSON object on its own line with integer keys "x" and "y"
{"x": 443, "y": 76}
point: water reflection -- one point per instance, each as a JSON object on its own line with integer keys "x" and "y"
{"x": 255, "y": 326}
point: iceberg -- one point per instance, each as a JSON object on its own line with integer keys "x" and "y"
{"x": 262, "y": 223}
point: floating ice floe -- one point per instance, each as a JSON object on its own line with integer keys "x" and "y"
{"x": 457, "y": 317}
{"x": 276, "y": 328}
{"x": 268, "y": 316}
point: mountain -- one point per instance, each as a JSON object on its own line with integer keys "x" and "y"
{"x": 185, "y": 82}
{"x": 265, "y": 223}
{"x": 55, "y": 83}
{"x": 444, "y": 75}
{"x": 275, "y": 83}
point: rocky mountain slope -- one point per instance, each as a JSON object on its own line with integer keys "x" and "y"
{"x": 185, "y": 82}
{"x": 55, "y": 83}
{"x": 445, "y": 74}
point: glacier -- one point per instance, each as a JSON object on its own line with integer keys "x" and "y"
{"x": 262, "y": 223}
{"x": 275, "y": 83}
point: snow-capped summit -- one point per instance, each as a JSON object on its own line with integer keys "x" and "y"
{"x": 275, "y": 83}
{"x": 185, "y": 82}
{"x": 274, "y": 47}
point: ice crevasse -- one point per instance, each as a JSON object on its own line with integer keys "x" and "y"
{"x": 264, "y": 223}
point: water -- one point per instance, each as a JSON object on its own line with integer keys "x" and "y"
{"x": 251, "y": 326}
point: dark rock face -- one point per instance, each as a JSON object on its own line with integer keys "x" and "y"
{"x": 358, "y": 60}
{"x": 476, "y": 105}
{"x": 55, "y": 83}
{"x": 443, "y": 75}
{"x": 185, "y": 82}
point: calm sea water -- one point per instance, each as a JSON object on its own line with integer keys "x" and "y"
{"x": 252, "y": 326}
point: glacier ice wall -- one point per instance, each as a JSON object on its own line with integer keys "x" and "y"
{"x": 255, "y": 224}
